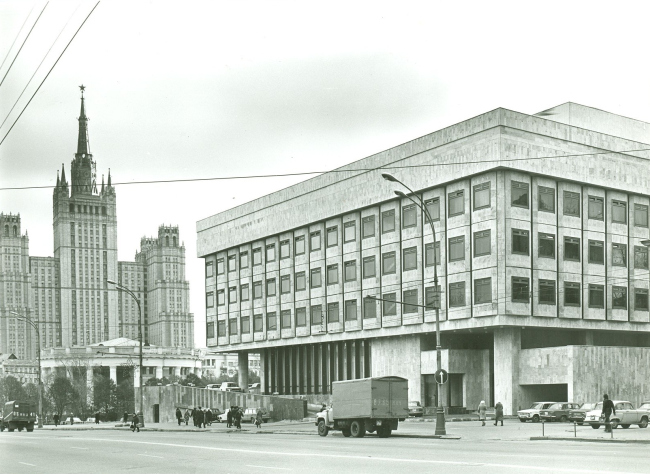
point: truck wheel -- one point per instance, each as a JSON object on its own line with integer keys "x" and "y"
{"x": 357, "y": 429}
{"x": 20, "y": 428}
{"x": 322, "y": 428}
{"x": 384, "y": 431}
{"x": 10, "y": 430}
{"x": 346, "y": 432}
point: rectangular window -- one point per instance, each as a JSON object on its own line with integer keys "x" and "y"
{"x": 209, "y": 331}
{"x": 482, "y": 196}
{"x": 301, "y": 281}
{"x": 546, "y": 198}
{"x": 314, "y": 241}
{"x": 299, "y": 245}
{"x": 546, "y": 292}
{"x": 520, "y": 289}
{"x": 456, "y": 203}
{"x": 350, "y": 270}
{"x": 482, "y": 243}
{"x": 243, "y": 291}
{"x": 641, "y": 299}
{"x": 270, "y": 287}
{"x": 483, "y": 290}
{"x": 301, "y": 317}
{"x": 351, "y": 310}
{"x": 433, "y": 206}
{"x": 571, "y": 294}
{"x": 243, "y": 260}
{"x": 369, "y": 269}
{"x": 233, "y": 327}
{"x": 221, "y": 328}
{"x": 409, "y": 216}
{"x": 619, "y": 297}
{"x": 209, "y": 299}
{"x": 619, "y": 212}
{"x": 546, "y": 244}
{"x": 410, "y": 300}
{"x": 640, "y": 215}
{"x": 410, "y": 259}
{"x": 285, "y": 319}
{"x": 270, "y": 253}
{"x": 596, "y": 252}
{"x": 430, "y": 256}
{"x": 232, "y": 263}
{"x": 209, "y": 269}
{"x": 349, "y": 231}
{"x": 257, "y": 256}
{"x": 388, "y": 221}
{"x": 640, "y": 257}
{"x": 572, "y": 249}
{"x": 245, "y": 324}
{"x": 596, "y": 296}
{"x": 571, "y": 204}
{"x": 432, "y": 297}
{"x": 220, "y": 267}
{"x": 285, "y": 249}
{"x": 619, "y": 255}
{"x": 332, "y": 236}
{"x": 332, "y": 312}
{"x": 457, "y": 248}
{"x": 389, "y": 304}
{"x": 519, "y": 194}
{"x": 257, "y": 290}
{"x": 368, "y": 227}
{"x": 520, "y": 242}
{"x": 316, "y": 315}
{"x": 272, "y": 321}
{"x": 285, "y": 284}
{"x": 258, "y": 323}
{"x": 332, "y": 274}
{"x": 457, "y": 294}
{"x": 232, "y": 295}
{"x": 221, "y": 297}
{"x": 388, "y": 263}
{"x": 369, "y": 308}
{"x": 596, "y": 208}
{"x": 315, "y": 278}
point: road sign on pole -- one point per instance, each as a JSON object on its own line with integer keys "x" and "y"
{"x": 441, "y": 376}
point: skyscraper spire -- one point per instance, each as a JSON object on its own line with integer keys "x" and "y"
{"x": 102, "y": 191}
{"x": 83, "y": 166}
{"x": 63, "y": 181}
{"x": 109, "y": 177}
{"x": 58, "y": 181}
{"x": 83, "y": 143}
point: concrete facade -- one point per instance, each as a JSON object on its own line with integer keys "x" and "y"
{"x": 539, "y": 225}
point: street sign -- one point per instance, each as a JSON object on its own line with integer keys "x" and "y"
{"x": 441, "y": 376}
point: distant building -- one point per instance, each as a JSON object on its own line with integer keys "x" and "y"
{"x": 225, "y": 364}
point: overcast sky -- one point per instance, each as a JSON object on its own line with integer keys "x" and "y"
{"x": 181, "y": 90}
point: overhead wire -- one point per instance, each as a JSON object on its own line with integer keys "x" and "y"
{"x": 17, "y": 36}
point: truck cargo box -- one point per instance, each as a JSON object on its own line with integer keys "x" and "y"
{"x": 374, "y": 397}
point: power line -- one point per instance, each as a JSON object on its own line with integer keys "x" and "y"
{"x": 16, "y": 38}
{"x": 338, "y": 170}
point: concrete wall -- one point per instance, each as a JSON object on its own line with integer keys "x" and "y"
{"x": 401, "y": 357}
{"x": 507, "y": 343}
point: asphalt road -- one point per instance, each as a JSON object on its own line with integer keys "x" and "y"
{"x": 118, "y": 451}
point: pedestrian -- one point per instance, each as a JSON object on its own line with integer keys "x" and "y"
{"x": 71, "y": 420}
{"x": 194, "y": 417}
{"x": 179, "y": 415}
{"x": 482, "y": 411}
{"x": 229, "y": 417}
{"x": 608, "y": 409}
{"x": 238, "y": 416}
{"x": 97, "y": 418}
{"x": 208, "y": 417}
{"x": 125, "y": 417}
{"x": 186, "y": 417}
{"x": 258, "y": 418}
{"x": 135, "y": 425}
{"x": 56, "y": 419}
{"x": 499, "y": 414}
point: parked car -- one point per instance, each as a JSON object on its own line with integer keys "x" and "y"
{"x": 578, "y": 414}
{"x": 251, "y": 413}
{"x": 415, "y": 408}
{"x": 558, "y": 412}
{"x": 223, "y": 417}
{"x": 213, "y": 386}
{"x": 532, "y": 413}
{"x": 229, "y": 387}
{"x": 66, "y": 420}
{"x": 626, "y": 415}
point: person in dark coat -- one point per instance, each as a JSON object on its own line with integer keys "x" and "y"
{"x": 237, "y": 417}
{"x": 229, "y": 417}
{"x": 136, "y": 422}
{"x": 125, "y": 417}
{"x": 186, "y": 416}
{"x": 208, "y": 417}
{"x": 258, "y": 418}
{"x": 97, "y": 418}
{"x": 498, "y": 413}
{"x": 608, "y": 409}
{"x": 179, "y": 416}
{"x": 56, "y": 419}
{"x": 194, "y": 416}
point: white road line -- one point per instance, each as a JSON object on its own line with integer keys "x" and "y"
{"x": 76, "y": 447}
{"x": 268, "y": 467}
{"x": 151, "y": 456}
{"x": 27, "y": 464}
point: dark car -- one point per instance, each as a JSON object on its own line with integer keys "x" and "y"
{"x": 578, "y": 414}
{"x": 558, "y": 411}
{"x": 415, "y": 409}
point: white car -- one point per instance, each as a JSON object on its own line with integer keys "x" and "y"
{"x": 66, "y": 420}
{"x": 625, "y": 415}
{"x": 229, "y": 387}
{"x": 532, "y": 413}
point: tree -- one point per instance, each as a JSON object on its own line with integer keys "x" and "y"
{"x": 11, "y": 389}
{"x": 105, "y": 395}
{"x": 153, "y": 381}
{"x": 62, "y": 394}
{"x": 194, "y": 380}
{"x": 125, "y": 397}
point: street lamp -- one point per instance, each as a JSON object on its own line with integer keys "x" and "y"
{"x": 38, "y": 353}
{"x": 440, "y": 412}
{"x": 125, "y": 289}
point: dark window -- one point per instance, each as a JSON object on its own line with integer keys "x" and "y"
{"x": 257, "y": 256}
{"x": 482, "y": 243}
{"x": 456, "y": 203}
{"x": 410, "y": 300}
{"x": 245, "y": 325}
{"x": 210, "y": 330}
{"x": 369, "y": 308}
{"x": 243, "y": 260}
{"x": 433, "y": 206}
{"x": 409, "y": 216}
{"x": 641, "y": 299}
{"x": 315, "y": 280}
{"x": 571, "y": 294}
{"x": 619, "y": 255}
{"x": 243, "y": 291}
{"x": 619, "y": 297}
{"x": 410, "y": 259}
{"x": 220, "y": 267}
{"x": 332, "y": 274}
{"x": 257, "y": 290}
{"x": 285, "y": 284}
{"x": 429, "y": 256}
{"x": 619, "y": 212}
{"x": 332, "y": 312}
{"x": 285, "y": 249}
{"x": 232, "y": 263}
{"x": 209, "y": 269}
{"x": 520, "y": 242}
{"x": 596, "y": 252}
{"x": 272, "y": 321}
{"x": 457, "y": 248}
{"x": 369, "y": 270}
{"x": 258, "y": 323}
{"x": 301, "y": 317}
{"x": 571, "y": 204}
{"x": 221, "y": 328}
{"x": 483, "y": 290}
{"x": 350, "y": 270}
{"x": 546, "y": 198}
{"x": 389, "y": 304}
{"x": 546, "y": 245}
{"x": 520, "y": 289}
{"x": 481, "y": 196}
{"x": 431, "y": 297}
{"x": 232, "y": 295}
{"x": 299, "y": 245}
{"x": 388, "y": 221}
{"x": 640, "y": 215}
{"x": 457, "y": 294}
{"x": 351, "y": 310}
{"x": 519, "y": 194}
{"x": 572, "y": 248}
{"x": 596, "y": 296}
{"x": 316, "y": 315}
{"x": 301, "y": 281}
{"x": 596, "y": 208}
{"x": 270, "y": 253}
{"x": 221, "y": 297}
{"x": 332, "y": 236}
{"x": 546, "y": 292}
{"x": 349, "y": 231}
{"x": 388, "y": 263}
{"x": 368, "y": 228}
{"x": 314, "y": 241}
{"x": 270, "y": 287}
{"x": 641, "y": 257}
{"x": 233, "y": 327}
{"x": 285, "y": 320}
{"x": 209, "y": 299}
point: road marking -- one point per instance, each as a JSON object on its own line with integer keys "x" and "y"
{"x": 27, "y": 464}
{"x": 269, "y": 467}
{"x": 151, "y": 456}
{"x": 76, "y": 447}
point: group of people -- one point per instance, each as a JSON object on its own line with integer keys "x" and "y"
{"x": 482, "y": 413}
{"x": 201, "y": 417}
{"x": 234, "y": 416}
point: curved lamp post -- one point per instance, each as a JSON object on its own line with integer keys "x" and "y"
{"x": 440, "y": 412}
{"x": 126, "y": 290}
{"x": 38, "y": 353}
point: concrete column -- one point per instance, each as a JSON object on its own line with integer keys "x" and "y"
{"x": 292, "y": 373}
{"x": 113, "y": 373}
{"x": 589, "y": 338}
{"x": 312, "y": 369}
{"x": 362, "y": 359}
{"x": 319, "y": 368}
{"x": 345, "y": 375}
{"x": 335, "y": 362}
{"x": 276, "y": 370}
{"x": 353, "y": 360}
{"x": 159, "y": 372}
{"x": 136, "y": 376}
{"x": 198, "y": 371}
{"x": 507, "y": 346}
{"x": 90, "y": 386}
{"x": 177, "y": 371}
{"x": 263, "y": 372}
{"x": 304, "y": 372}
{"x": 242, "y": 362}
{"x": 327, "y": 368}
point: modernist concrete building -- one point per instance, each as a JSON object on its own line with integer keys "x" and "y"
{"x": 540, "y": 222}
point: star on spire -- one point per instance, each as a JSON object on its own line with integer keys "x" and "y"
{"x": 82, "y": 88}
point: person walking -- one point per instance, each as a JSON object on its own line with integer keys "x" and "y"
{"x": 608, "y": 409}
{"x": 208, "y": 417}
{"x": 229, "y": 417}
{"x": 56, "y": 419}
{"x": 186, "y": 417}
{"x": 258, "y": 418}
{"x": 238, "y": 416}
{"x": 125, "y": 417}
{"x": 97, "y": 418}
{"x": 179, "y": 415}
{"x": 136, "y": 423}
{"x": 482, "y": 411}
{"x": 499, "y": 414}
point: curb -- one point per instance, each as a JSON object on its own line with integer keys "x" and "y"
{"x": 590, "y": 440}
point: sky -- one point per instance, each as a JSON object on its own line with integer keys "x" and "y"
{"x": 192, "y": 90}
